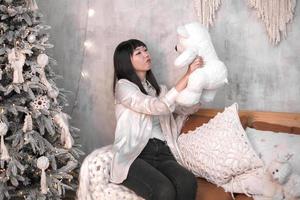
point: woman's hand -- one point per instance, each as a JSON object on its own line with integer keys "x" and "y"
{"x": 197, "y": 63}
{"x": 182, "y": 83}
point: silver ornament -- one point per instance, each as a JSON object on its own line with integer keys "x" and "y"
{"x": 31, "y": 38}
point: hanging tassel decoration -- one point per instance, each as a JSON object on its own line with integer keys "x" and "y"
{"x": 16, "y": 59}
{"x": 276, "y": 14}
{"x": 43, "y": 164}
{"x": 61, "y": 119}
{"x": 1, "y": 73}
{"x": 42, "y": 61}
{"x": 27, "y": 123}
{"x": 205, "y": 10}
{"x": 32, "y": 5}
{"x": 4, "y": 152}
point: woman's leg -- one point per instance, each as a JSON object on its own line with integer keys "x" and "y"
{"x": 162, "y": 159}
{"x": 148, "y": 182}
{"x": 184, "y": 181}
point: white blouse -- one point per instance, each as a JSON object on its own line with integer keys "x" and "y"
{"x": 156, "y": 128}
{"x": 134, "y": 111}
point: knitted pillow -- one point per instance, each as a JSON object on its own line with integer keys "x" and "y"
{"x": 219, "y": 150}
{"x": 94, "y": 178}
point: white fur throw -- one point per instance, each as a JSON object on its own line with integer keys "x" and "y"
{"x": 219, "y": 150}
{"x": 94, "y": 179}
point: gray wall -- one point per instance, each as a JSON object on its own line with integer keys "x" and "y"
{"x": 262, "y": 77}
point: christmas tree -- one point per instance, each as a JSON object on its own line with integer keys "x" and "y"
{"x": 39, "y": 158}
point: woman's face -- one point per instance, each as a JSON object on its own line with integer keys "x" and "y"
{"x": 140, "y": 59}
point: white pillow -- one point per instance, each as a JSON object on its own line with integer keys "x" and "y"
{"x": 268, "y": 145}
{"x": 219, "y": 150}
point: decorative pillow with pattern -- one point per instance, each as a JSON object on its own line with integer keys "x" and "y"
{"x": 219, "y": 150}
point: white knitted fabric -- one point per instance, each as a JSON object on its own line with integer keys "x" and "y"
{"x": 219, "y": 150}
{"x": 94, "y": 179}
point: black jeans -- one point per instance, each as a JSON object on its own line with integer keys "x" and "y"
{"x": 155, "y": 175}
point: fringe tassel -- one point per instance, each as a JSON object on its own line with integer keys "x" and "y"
{"x": 32, "y": 5}
{"x": 27, "y": 124}
{"x": 43, "y": 164}
{"x": 61, "y": 119}
{"x": 16, "y": 60}
{"x": 4, "y": 152}
{"x": 276, "y": 14}
{"x": 42, "y": 61}
{"x": 206, "y": 10}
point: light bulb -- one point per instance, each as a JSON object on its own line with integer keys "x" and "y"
{"x": 91, "y": 12}
{"x": 87, "y": 44}
{"x": 84, "y": 74}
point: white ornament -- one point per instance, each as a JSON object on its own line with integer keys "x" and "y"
{"x": 16, "y": 60}
{"x": 206, "y": 11}
{"x": 61, "y": 119}
{"x": 43, "y": 164}
{"x": 27, "y": 124}
{"x": 31, "y": 38}
{"x": 41, "y": 102}
{"x": 276, "y": 14}
{"x": 42, "y": 61}
{"x": 4, "y": 152}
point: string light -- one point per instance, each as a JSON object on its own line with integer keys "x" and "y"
{"x": 87, "y": 44}
{"x": 91, "y": 12}
{"x": 84, "y": 74}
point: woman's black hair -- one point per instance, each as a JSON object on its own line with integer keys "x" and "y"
{"x": 124, "y": 68}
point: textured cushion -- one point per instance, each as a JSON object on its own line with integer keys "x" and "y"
{"x": 219, "y": 150}
{"x": 94, "y": 178}
{"x": 195, "y": 121}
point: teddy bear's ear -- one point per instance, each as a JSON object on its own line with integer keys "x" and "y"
{"x": 181, "y": 30}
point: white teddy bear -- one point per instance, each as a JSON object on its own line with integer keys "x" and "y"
{"x": 288, "y": 182}
{"x": 194, "y": 40}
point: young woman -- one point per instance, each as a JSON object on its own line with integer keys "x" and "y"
{"x": 145, "y": 149}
